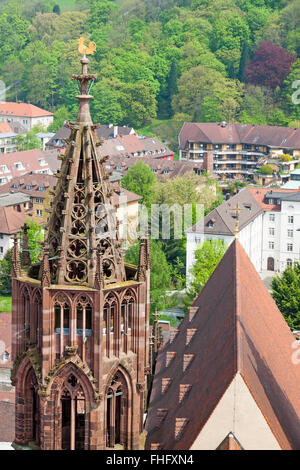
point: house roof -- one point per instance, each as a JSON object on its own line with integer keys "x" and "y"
{"x": 223, "y": 218}
{"x": 259, "y": 195}
{"x": 5, "y": 128}
{"x": 122, "y": 196}
{"x": 235, "y": 133}
{"x": 22, "y": 109}
{"x": 33, "y": 181}
{"x": 13, "y": 199}
{"x": 103, "y": 131}
{"x": 161, "y": 168}
{"x": 234, "y": 326}
{"x": 129, "y": 145}
{"x": 20, "y": 163}
{"x": 11, "y": 220}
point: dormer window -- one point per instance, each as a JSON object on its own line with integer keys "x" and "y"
{"x": 19, "y": 166}
{"x": 210, "y": 224}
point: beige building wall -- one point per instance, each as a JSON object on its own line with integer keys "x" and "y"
{"x": 238, "y": 413}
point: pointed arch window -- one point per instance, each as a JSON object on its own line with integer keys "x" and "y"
{"x": 61, "y": 322}
{"x": 84, "y": 317}
{"x": 127, "y": 319}
{"x": 73, "y": 415}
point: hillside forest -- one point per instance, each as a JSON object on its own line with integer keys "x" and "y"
{"x": 159, "y": 62}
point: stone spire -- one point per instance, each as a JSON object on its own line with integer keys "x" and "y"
{"x": 82, "y": 225}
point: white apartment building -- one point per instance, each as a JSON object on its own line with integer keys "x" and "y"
{"x": 28, "y": 115}
{"x": 268, "y": 228}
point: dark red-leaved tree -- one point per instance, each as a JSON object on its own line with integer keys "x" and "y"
{"x": 270, "y": 65}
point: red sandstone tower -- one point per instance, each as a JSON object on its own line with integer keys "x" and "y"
{"x": 80, "y": 317}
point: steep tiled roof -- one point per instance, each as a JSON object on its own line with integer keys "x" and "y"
{"x": 103, "y": 131}
{"x": 11, "y": 220}
{"x": 234, "y": 133}
{"x": 122, "y": 195}
{"x": 161, "y": 168}
{"x": 222, "y": 218}
{"x": 5, "y": 128}
{"x": 239, "y": 330}
{"x": 259, "y": 195}
{"x": 29, "y": 184}
{"x": 20, "y": 163}
{"x": 22, "y": 109}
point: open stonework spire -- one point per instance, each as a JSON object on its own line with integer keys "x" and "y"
{"x": 82, "y": 225}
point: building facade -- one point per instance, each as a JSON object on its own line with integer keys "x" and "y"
{"x": 239, "y": 150}
{"x": 80, "y": 318}
{"x": 269, "y": 223}
{"x": 25, "y": 114}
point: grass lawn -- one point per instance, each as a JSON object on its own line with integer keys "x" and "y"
{"x": 5, "y": 304}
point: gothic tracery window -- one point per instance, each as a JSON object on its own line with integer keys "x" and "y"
{"x": 73, "y": 415}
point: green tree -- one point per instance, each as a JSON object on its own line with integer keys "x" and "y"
{"x": 13, "y": 34}
{"x": 286, "y": 293}
{"x": 160, "y": 280}
{"x": 5, "y": 273}
{"x": 106, "y": 106}
{"x": 140, "y": 180}
{"x": 265, "y": 170}
{"x": 60, "y": 116}
{"x": 207, "y": 257}
{"x": 243, "y": 62}
{"x": 28, "y": 141}
{"x": 35, "y": 237}
{"x": 138, "y": 102}
{"x": 201, "y": 82}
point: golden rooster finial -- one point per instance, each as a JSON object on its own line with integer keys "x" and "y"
{"x": 84, "y": 50}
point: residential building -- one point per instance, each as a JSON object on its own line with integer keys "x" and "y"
{"x": 11, "y": 221}
{"x": 36, "y": 187}
{"x": 26, "y": 114}
{"x": 8, "y": 142}
{"x": 228, "y": 378}
{"x": 268, "y": 223}
{"x": 44, "y": 137}
{"x": 161, "y": 168}
{"x": 127, "y": 204}
{"x": 238, "y": 150}
{"x": 135, "y": 146}
{"x": 58, "y": 141}
{"x": 19, "y": 163}
{"x": 294, "y": 182}
{"x": 80, "y": 319}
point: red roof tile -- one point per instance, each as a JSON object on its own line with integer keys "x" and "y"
{"x": 22, "y": 109}
{"x": 5, "y": 128}
{"x": 11, "y": 220}
{"x": 239, "y": 329}
{"x": 259, "y": 196}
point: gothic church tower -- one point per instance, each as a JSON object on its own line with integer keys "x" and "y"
{"x": 80, "y": 316}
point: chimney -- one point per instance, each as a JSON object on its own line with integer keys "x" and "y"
{"x": 115, "y": 131}
{"x": 208, "y": 162}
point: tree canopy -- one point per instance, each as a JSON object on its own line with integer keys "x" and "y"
{"x": 155, "y": 59}
{"x": 286, "y": 293}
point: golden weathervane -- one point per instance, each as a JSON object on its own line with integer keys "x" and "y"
{"x": 84, "y": 50}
